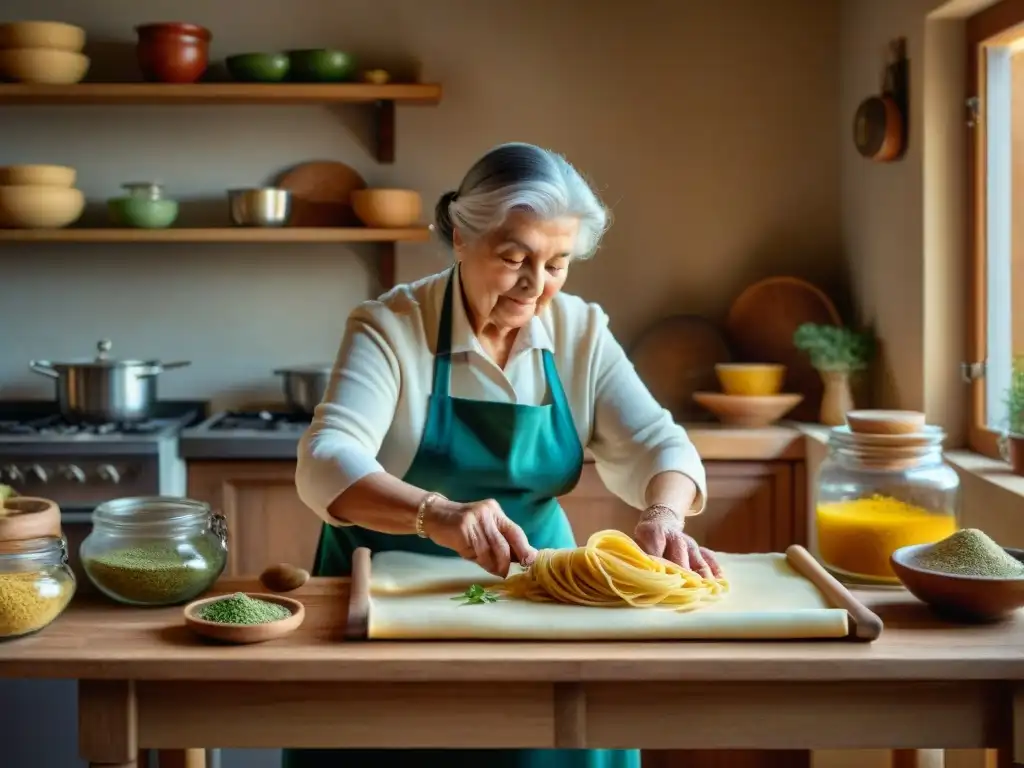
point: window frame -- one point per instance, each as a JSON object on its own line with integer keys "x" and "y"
{"x": 994, "y": 26}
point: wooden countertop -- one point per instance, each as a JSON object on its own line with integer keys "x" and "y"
{"x": 100, "y": 640}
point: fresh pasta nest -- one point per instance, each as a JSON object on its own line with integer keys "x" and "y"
{"x": 612, "y": 571}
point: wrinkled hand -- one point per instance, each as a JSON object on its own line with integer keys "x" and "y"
{"x": 660, "y": 534}
{"x": 480, "y": 532}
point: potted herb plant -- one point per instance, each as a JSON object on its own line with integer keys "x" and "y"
{"x": 1012, "y": 446}
{"x": 836, "y": 353}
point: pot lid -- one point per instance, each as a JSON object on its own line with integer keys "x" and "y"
{"x": 103, "y": 359}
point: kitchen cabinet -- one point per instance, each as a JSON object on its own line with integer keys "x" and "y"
{"x": 267, "y": 523}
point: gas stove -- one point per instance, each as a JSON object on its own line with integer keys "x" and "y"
{"x": 80, "y": 465}
{"x": 258, "y": 434}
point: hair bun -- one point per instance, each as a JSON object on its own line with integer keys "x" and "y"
{"x": 443, "y": 217}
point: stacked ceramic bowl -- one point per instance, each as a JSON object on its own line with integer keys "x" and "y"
{"x": 39, "y": 197}
{"x": 751, "y": 395}
{"x": 43, "y": 52}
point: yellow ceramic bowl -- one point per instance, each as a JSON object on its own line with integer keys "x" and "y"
{"x": 750, "y": 379}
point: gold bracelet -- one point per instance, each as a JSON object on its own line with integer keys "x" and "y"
{"x": 422, "y": 510}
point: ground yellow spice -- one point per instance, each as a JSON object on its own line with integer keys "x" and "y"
{"x": 31, "y": 600}
{"x": 857, "y": 536}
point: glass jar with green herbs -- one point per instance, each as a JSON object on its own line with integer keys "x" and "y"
{"x": 36, "y": 584}
{"x": 155, "y": 550}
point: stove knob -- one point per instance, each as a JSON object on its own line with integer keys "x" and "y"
{"x": 108, "y": 473}
{"x": 73, "y": 473}
{"x": 13, "y": 474}
{"x": 39, "y": 473}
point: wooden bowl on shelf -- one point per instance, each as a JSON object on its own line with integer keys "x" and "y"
{"x": 37, "y": 176}
{"x": 241, "y": 634}
{"x": 42, "y": 65}
{"x": 964, "y": 598}
{"x": 45, "y": 35}
{"x": 38, "y": 207}
{"x": 746, "y": 411}
{"x": 387, "y": 208}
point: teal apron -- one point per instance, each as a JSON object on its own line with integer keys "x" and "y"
{"x": 524, "y": 457}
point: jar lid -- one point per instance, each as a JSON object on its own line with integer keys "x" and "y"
{"x": 879, "y": 451}
{"x": 27, "y": 517}
{"x": 150, "y": 510}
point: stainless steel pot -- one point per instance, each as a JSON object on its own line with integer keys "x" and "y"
{"x": 260, "y": 207}
{"x": 305, "y": 385}
{"x": 104, "y": 389}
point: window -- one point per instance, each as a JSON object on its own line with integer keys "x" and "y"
{"x": 995, "y": 39}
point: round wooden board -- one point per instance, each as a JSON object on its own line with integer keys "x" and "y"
{"x": 676, "y": 357}
{"x": 760, "y": 327}
{"x": 321, "y": 194}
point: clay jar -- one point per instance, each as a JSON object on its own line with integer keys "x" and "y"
{"x": 172, "y": 52}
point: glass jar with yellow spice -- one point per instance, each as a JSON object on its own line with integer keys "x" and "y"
{"x": 36, "y": 584}
{"x": 877, "y": 493}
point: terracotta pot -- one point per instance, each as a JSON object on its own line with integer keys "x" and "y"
{"x": 1013, "y": 452}
{"x": 173, "y": 52}
{"x": 837, "y": 398}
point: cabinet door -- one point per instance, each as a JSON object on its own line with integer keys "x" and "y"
{"x": 750, "y": 507}
{"x": 267, "y": 523}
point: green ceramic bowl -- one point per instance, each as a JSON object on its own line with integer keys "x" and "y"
{"x": 258, "y": 67}
{"x": 142, "y": 214}
{"x": 321, "y": 65}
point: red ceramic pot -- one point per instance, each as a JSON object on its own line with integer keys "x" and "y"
{"x": 173, "y": 52}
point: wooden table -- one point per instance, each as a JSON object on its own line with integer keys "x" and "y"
{"x": 146, "y": 682}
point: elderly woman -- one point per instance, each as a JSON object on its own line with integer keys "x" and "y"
{"x": 460, "y": 405}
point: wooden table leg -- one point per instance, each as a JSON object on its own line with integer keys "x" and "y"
{"x": 107, "y": 723}
{"x": 1016, "y": 749}
{"x": 181, "y": 758}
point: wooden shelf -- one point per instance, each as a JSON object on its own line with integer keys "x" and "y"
{"x": 218, "y": 235}
{"x": 384, "y": 98}
{"x": 128, "y": 94}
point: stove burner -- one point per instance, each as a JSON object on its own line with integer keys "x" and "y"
{"x": 58, "y": 425}
{"x": 262, "y": 421}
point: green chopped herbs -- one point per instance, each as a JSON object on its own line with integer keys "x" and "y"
{"x": 970, "y": 552}
{"x": 476, "y": 595}
{"x": 242, "y": 609}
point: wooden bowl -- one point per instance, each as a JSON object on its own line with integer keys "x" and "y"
{"x": 42, "y": 65}
{"x": 751, "y": 412}
{"x": 27, "y": 517}
{"x": 965, "y": 598}
{"x": 245, "y": 633}
{"x": 38, "y": 207}
{"x": 886, "y": 422}
{"x": 387, "y": 208}
{"x": 751, "y": 379}
{"x": 37, "y": 176}
{"x": 52, "y": 35}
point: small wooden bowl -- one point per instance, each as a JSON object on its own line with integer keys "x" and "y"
{"x": 964, "y": 598}
{"x": 749, "y": 412}
{"x": 886, "y": 422}
{"x": 245, "y": 633}
{"x": 27, "y": 517}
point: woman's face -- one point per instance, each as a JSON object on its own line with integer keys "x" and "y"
{"x": 511, "y": 274}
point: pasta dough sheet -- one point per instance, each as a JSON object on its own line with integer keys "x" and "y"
{"x": 411, "y": 599}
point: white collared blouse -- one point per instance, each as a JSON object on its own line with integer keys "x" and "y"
{"x": 374, "y": 410}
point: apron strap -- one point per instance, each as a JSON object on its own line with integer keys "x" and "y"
{"x": 443, "y": 345}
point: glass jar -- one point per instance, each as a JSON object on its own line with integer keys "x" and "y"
{"x": 36, "y": 584}
{"x": 877, "y": 493}
{"x": 144, "y": 190}
{"x": 154, "y": 550}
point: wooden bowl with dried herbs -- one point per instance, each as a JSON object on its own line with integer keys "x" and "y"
{"x": 967, "y": 576}
{"x": 244, "y": 617}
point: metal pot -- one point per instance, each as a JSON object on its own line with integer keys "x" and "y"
{"x": 104, "y": 389}
{"x": 305, "y": 385}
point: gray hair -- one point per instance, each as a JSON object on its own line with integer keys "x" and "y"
{"x": 521, "y": 177}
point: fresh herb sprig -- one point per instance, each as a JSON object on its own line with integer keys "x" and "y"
{"x": 1015, "y": 398}
{"x": 476, "y": 595}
